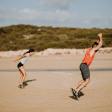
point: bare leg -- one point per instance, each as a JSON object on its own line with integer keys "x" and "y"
{"x": 79, "y": 84}
{"x": 21, "y": 77}
{"x": 22, "y": 74}
{"x": 83, "y": 84}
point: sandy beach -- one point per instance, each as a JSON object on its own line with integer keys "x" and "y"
{"x": 49, "y": 81}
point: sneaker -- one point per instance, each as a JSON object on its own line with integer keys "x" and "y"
{"x": 76, "y": 96}
{"x": 75, "y": 93}
{"x": 21, "y": 86}
{"x": 80, "y": 93}
{"x": 25, "y": 84}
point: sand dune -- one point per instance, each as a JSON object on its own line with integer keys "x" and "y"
{"x": 50, "y": 51}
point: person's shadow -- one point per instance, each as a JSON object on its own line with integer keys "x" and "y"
{"x": 80, "y": 94}
{"x": 26, "y": 83}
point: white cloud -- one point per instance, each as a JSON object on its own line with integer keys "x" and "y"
{"x": 97, "y": 21}
{"x": 29, "y": 14}
{"x": 10, "y": 14}
{"x": 56, "y": 17}
{"x": 57, "y": 4}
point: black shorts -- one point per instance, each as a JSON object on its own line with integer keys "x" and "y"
{"x": 19, "y": 64}
{"x": 84, "y": 71}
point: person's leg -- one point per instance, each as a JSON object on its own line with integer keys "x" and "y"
{"x": 79, "y": 84}
{"x": 83, "y": 85}
{"x": 85, "y": 72}
{"x": 75, "y": 91}
{"x": 82, "y": 69}
{"x": 21, "y": 76}
{"x": 23, "y": 73}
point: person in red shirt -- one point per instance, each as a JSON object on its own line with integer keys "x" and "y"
{"x": 84, "y": 66}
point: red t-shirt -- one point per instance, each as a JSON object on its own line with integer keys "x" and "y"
{"x": 87, "y": 58}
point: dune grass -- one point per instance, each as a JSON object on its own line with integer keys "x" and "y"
{"x": 18, "y": 37}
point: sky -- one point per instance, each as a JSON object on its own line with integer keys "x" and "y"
{"x": 62, "y": 13}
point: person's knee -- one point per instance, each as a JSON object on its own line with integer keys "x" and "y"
{"x": 86, "y": 82}
{"x": 23, "y": 72}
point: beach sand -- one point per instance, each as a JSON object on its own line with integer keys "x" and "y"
{"x": 49, "y": 81}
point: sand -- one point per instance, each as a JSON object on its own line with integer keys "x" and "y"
{"x": 50, "y": 79}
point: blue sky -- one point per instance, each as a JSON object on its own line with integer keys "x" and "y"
{"x": 69, "y": 13}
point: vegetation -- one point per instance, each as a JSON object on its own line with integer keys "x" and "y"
{"x": 17, "y": 37}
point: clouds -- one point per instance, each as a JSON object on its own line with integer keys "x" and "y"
{"x": 57, "y": 4}
{"x": 31, "y": 14}
{"x": 55, "y": 18}
{"x": 46, "y": 10}
{"x": 55, "y": 13}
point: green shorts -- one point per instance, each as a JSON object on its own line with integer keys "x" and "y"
{"x": 84, "y": 71}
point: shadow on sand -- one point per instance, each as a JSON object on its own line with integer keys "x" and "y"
{"x": 25, "y": 83}
{"x": 80, "y": 94}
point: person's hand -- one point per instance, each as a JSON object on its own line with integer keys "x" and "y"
{"x": 17, "y": 58}
{"x": 100, "y": 35}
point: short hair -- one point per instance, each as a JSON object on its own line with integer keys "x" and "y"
{"x": 31, "y": 50}
{"x": 95, "y": 43}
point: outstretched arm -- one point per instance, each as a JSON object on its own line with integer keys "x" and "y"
{"x": 19, "y": 57}
{"x": 100, "y": 42}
